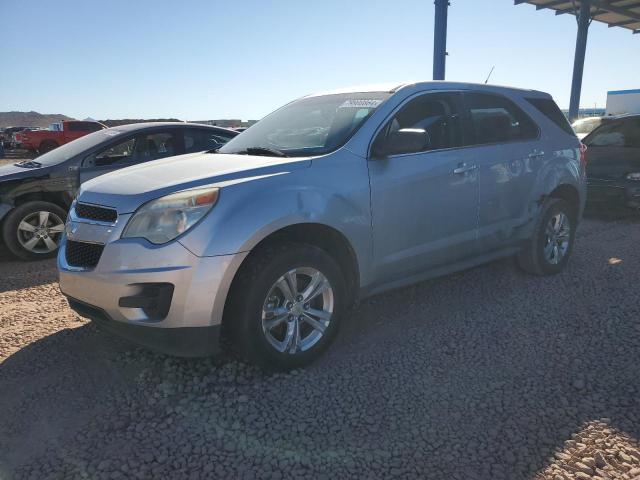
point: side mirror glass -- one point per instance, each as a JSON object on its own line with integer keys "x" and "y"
{"x": 405, "y": 140}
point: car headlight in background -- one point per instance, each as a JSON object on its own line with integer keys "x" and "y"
{"x": 165, "y": 218}
{"x": 633, "y": 176}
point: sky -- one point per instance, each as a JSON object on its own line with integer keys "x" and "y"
{"x": 209, "y": 59}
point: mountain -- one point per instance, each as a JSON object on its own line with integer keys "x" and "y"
{"x": 30, "y": 119}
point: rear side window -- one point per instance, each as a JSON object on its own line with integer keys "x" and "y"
{"x": 84, "y": 127}
{"x": 495, "y": 119}
{"x": 549, "y": 109}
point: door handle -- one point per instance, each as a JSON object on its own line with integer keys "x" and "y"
{"x": 464, "y": 168}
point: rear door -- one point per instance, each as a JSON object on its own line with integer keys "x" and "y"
{"x": 132, "y": 150}
{"x": 614, "y": 150}
{"x": 509, "y": 153}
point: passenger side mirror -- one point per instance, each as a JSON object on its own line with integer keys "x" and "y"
{"x": 405, "y": 140}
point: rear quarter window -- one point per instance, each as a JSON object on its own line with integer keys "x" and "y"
{"x": 550, "y": 109}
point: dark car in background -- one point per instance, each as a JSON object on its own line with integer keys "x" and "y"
{"x": 613, "y": 168}
{"x": 35, "y": 195}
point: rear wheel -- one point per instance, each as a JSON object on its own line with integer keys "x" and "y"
{"x": 287, "y": 305}
{"x": 33, "y": 230}
{"x": 549, "y": 249}
{"x": 47, "y": 147}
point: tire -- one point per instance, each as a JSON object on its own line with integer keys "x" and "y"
{"x": 47, "y": 146}
{"x": 24, "y": 223}
{"x": 539, "y": 256}
{"x": 259, "y": 301}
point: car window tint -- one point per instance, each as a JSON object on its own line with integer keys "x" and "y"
{"x": 610, "y": 134}
{"x": 84, "y": 127}
{"x": 550, "y": 109}
{"x": 436, "y": 114}
{"x": 495, "y": 119}
{"x": 153, "y": 146}
{"x": 201, "y": 140}
{"x": 118, "y": 153}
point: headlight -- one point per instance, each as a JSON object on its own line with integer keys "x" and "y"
{"x": 633, "y": 176}
{"x": 163, "y": 219}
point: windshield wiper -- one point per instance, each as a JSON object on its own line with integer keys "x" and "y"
{"x": 269, "y": 152}
{"x": 28, "y": 164}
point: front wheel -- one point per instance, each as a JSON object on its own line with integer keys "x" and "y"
{"x": 33, "y": 230}
{"x": 550, "y": 247}
{"x": 287, "y": 306}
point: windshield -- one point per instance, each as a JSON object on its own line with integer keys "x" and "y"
{"x": 71, "y": 149}
{"x": 309, "y": 126}
{"x": 586, "y": 125}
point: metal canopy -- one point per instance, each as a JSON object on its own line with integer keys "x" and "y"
{"x": 615, "y": 13}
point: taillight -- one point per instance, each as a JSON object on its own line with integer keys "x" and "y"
{"x": 583, "y": 154}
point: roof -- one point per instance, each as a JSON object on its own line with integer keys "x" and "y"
{"x": 615, "y": 13}
{"x": 623, "y": 92}
{"x": 395, "y": 86}
{"x": 142, "y": 125}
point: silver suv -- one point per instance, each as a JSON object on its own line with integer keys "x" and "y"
{"x": 333, "y": 197}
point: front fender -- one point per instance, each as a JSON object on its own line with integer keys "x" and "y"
{"x": 249, "y": 212}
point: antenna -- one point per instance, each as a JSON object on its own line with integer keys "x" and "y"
{"x": 489, "y": 76}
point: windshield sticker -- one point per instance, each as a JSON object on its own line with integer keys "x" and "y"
{"x": 361, "y": 103}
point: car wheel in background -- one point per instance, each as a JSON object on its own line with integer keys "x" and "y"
{"x": 33, "y": 230}
{"x": 47, "y": 147}
{"x": 287, "y": 304}
{"x": 550, "y": 247}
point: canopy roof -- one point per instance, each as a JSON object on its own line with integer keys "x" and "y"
{"x": 615, "y": 13}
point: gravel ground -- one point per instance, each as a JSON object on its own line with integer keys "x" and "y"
{"x": 488, "y": 374}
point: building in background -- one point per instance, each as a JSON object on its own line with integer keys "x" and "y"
{"x": 623, "y": 101}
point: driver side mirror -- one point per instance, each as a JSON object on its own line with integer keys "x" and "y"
{"x": 405, "y": 140}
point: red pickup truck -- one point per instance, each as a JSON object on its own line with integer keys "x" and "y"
{"x": 44, "y": 141}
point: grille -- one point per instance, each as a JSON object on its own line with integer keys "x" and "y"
{"x": 81, "y": 254}
{"x": 92, "y": 212}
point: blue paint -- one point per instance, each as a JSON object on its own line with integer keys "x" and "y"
{"x": 584, "y": 17}
{"x": 623, "y": 92}
{"x": 440, "y": 39}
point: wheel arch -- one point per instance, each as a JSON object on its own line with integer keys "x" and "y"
{"x": 320, "y": 235}
{"x": 568, "y": 193}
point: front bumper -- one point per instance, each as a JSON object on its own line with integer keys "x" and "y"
{"x": 617, "y": 192}
{"x": 181, "y": 342}
{"x": 127, "y": 266}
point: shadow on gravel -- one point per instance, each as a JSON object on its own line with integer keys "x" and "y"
{"x": 480, "y": 375}
{"x": 17, "y": 274}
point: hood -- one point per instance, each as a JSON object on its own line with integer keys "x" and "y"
{"x": 10, "y": 171}
{"x": 128, "y": 188}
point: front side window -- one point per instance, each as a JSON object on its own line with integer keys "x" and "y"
{"x": 202, "y": 140}
{"x": 309, "y": 126}
{"x": 141, "y": 148}
{"x": 496, "y": 119}
{"x": 435, "y": 114}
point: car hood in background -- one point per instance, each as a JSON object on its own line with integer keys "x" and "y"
{"x": 11, "y": 171}
{"x": 130, "y": 187}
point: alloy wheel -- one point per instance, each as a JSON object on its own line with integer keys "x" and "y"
{"x": 557, "y": 237}
{"x": 40, "y": 232}
{"x": 297, "y": 310}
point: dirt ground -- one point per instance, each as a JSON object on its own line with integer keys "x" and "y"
{"x": 487, "y": 374}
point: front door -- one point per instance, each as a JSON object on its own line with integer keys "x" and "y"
{"x": 424, "y": 203}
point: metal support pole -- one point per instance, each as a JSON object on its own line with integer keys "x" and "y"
{"x": 440, "y": 39}
{"x": 584, "y": 18}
